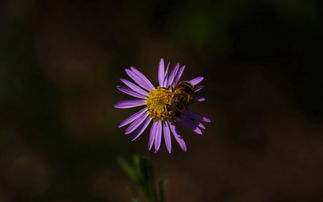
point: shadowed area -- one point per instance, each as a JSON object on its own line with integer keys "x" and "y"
{"x": 61, "y": 60}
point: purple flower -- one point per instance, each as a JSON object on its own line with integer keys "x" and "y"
{"x": 164, "y": 106}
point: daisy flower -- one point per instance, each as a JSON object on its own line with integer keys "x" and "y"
{"x": 163, "y": 106}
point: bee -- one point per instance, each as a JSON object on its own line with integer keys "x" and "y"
{"x": 183, "y": 96}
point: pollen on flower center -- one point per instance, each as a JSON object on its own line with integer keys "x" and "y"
{"x": 158, "y": 102}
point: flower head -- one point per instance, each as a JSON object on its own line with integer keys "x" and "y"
{"x": 164, "y": 105}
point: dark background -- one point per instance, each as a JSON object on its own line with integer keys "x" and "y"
{"x": 61, "y": 60}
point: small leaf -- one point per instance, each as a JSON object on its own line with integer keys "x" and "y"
{"x": 128, "y": 169}
{"x": 135, "y": 200}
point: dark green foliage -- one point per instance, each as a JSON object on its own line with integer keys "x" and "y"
{"x": 141, "y": 173}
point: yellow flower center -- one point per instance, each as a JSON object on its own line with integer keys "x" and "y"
{"x": 164, "y": 104}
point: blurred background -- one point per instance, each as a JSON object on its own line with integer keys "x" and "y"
{"x": 61, "y": 60}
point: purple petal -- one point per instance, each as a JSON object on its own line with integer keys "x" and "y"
{"x": 134, "y": 87}
{"x": 131, "y": 118}
{"x": 124, "y": 104}
{"x": 192, "y": 120}
{"x": 199, "y": 124}
{"x": 158, "y": 135}
{"x": 190, "y": 124}
{"x": 197, "y": 116}
{"x": 141, "y": 129}
{"x": 130, "y": 92}
{"x": 167, "y": 137}
{"x": 200, "y": 99}
{"x": 177, "y": 136}
{"x": 196, "y": 80}
{"x": 144, "y": 78}
{"x": 172, "y": 75}
{"x": 198, "y": 88}
{"x": 161, "y": 72}
{"x": 179, "y": 75}
{"x": 152, "y": 135}
{"x": 134, "y": 125}
{"x": 164, "y": 84}
{"x": 139, "y": 79}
